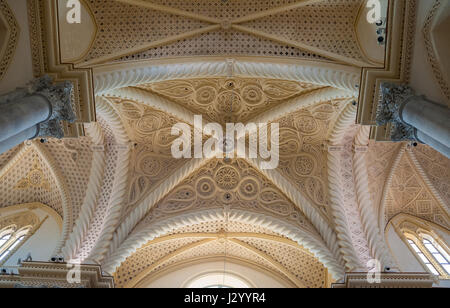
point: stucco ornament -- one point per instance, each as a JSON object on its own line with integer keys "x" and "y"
{"x": 393, "y": 98}
{"x": 59, "y": 96}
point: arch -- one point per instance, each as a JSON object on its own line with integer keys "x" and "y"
{"x": 119, "y": 189}
{"x": 63, "y": 189}
{"x": 382, "y": 206}
{"x": 114, "y": 76}
{"x": 24, "y": 222}
{"x": 413, "y": 231}
{"x": 57, "y": 176}
{"x": 205, "y": 261}
{"x": 73, "y": 43}
{"x": 139, "y": 237}
{"x": 365, "y": 203}
{"x": 95, "y": 132}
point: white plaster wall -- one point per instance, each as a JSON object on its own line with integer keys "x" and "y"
{"x": 43, "y": 243}
{"x": 181, "y": 276}
{"x": 21, "y": 69}
{"x": 402, "y": 254}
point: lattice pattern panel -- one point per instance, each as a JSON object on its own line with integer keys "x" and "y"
{"x": 123, "y": 26}
{"x": 351, "y": 207}
{"x": 5, "y": 157}
{"x": 145, "y": 257}
{"x": 101, "y": 211}
{"x": 409, "y": 194}
{"x": 229, "y": 10}
{"x": 223, "y": 43}
{"x": 437, "y": 169}
{"x": 327, "y": 25}
{"x": 30, "y": 181}
{"x": 230, "y": 226}
{"x": 302, "y": 264}
{"x": 379, "y": 160}
{"x": 74, "y": 159}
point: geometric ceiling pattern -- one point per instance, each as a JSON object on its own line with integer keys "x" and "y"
{"x": 225, "y": 241}
{"x": 138, "y": 30}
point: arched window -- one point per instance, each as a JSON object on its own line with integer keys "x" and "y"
{"x": 10, "y": 242}
{"x": 438, "y": 253}
{"x": 430, "y": 253}
{"x": 4, "y": 239}
{"x": 423, "y": 257}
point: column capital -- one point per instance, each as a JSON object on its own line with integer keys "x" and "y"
{"x": 59, "y": 96}
{"x": 393, "y": 98}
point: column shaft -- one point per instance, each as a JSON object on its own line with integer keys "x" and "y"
{"x": 433, "y": 143}
{"x": 428, "y": 117}
{"x": 22, "y": 114}
{"x": 11, "y": 142}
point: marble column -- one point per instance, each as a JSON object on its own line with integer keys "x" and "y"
{"x": 35, "y": 111}
{"x": 414, "y": 117}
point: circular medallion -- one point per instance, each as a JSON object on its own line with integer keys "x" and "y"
{"x": 35, "y": 177}
{"x": 304, "y": 165}
{"x": 227, "y": 177}
{"x": 307, "y": 124}
{"x": 248, "y": 189}
{"x": 206, "y": 188}
{"x": 206, "y": 95}
{"x": 252, "y": 95}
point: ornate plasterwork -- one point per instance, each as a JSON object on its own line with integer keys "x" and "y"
{"x": 151, "y": 29}
{"x": 140, "y": 237}
{"x": 54, "y": 275}
{"x": 393, "y": 99}
{"x": 92, "y": 190}
{"x": 234, "y": 184}
{"x": 19, "y": 221}
{"x": 10, "y": 36}
{"x": 408, "y": 193}
{"x": 35, "y": 178}
{"x": 302, "y": 156}
{"x": 363, "y": 179}
{"x": 46, "y": 56}
{"x": 229, "y": 100}
{"x": 279, "y": 255}
{"x": 431, "y": 51}
{"x": 56, "y": 194}
{"x": 112, "y": 77}
{"x": 435, "y": 170}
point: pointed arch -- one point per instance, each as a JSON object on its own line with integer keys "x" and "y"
{"x": 140, "y": 237}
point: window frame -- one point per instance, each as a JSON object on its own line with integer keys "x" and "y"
{"x": 418, "y": 239}
{"x": 21, "y": 235}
